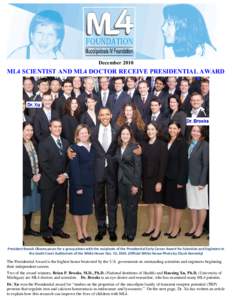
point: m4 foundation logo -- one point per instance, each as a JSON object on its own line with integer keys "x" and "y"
{"x": 109, "y": 32}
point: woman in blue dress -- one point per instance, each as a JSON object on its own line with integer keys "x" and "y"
{"x": 82, "y": 181}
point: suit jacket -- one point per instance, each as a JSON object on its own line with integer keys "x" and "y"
{"x": 82, "y": 98}
{"x": 177, "y": 167}
{"x": 33, "y": 111}
{"x": 179, "y": 117}
{"x": 69, "y": 125}
{"x": 201, "y": 114}
{"x": 199, "y": 164}
{"x": 27, "y": 172}
{"x": 53, "y": 162}
{"x": 163, "y": 98}
{"x": 144, "y": 108}
{"x": 206, "y": 104}
{"x": 162, "y": 122}
{"x": 118, "y": 105}
{"x": 26, "y": 97}
{"x": 86, "y": 119}
{"x": 129, "y": 166}
{"x": 102, "y": 156}
{"x": 41, "y": 124}
{"x": 81, "y": 168}
{"x": 186, "y": 106}
{"x": 59, "y": 104}
{"x": 154, "y": 160}
{"x": 109, "y": 102}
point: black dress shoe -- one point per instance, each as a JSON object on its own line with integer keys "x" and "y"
{"x": 31, "y": 232}
{"x": 154, "y": 238}
{"x": 174, "y": 236}
{"x": 88, "y": 238}
{"x": 130, "y": 238}
{"x": 189, "y": 233}
{"x": 113, "y": 236}
{"x": 62, "y": 235}
{"x": 194, "y": 237}
{"x": 167, "y": 233}
{"x": 148, "y": 233}
{"x": 99, "y": 236}
{"x": 49, "y": 239}
{"x": 82, "y": 241}
{"x": 124, "y": 236}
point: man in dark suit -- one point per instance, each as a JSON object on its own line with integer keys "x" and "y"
{"x": 28, "y": 89}
{"x": 197, "y": 109}
{"x": 43, "y": 87}
{"x": 43, "y": 118}
{"x": 160, "y": 93}
{"x": 142, "y": 101}
{"x": 131, "y": 87}
{"x": 53, "y": 183}
{"x": 184, "y": 96}
{"x": 205, "y": 94}
{"x": 105, "y": 95}
{"x": 120, "y": 98}
{"x": 55, "y": 87}
{"x": 105, "y": 143}
{"x": 88, "y": 90}
{"x": 59, "y": 103}
{"x": 77, "y": 86}
{"x": 158, "y": 117}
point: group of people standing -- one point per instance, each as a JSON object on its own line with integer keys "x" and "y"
{"x": 110, "y": 146}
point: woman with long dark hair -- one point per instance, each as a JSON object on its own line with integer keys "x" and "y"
{"x": 176, "y": 178}
{"x": 31, "y": 178}
{"x": 154, "y": 163}
{"x": 129, "y": 180}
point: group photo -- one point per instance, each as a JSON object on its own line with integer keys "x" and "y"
{"x": 112, "y": 161}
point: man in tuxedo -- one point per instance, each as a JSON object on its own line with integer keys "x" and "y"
{"x": 158, "y": 117}
{"x": 59, "y": 103}
{"x": 105, "y": 95}
{"x": 121, "y": 98}
{"x": 204, "y": 87}
{"x": 104, "y": 138}
{"x": 43, "y": 118}
{"x": 53, "y": 183}
{"x": 88, "y": 90}
{"x": 142, "y": 101}
{"x": 184, "y": 96}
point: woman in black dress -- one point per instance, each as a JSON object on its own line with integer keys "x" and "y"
{"x": 175, "y": 114}
{"x": 31, "y": 178}
{"x": 82, "y": 180}
{"x": 70, "y": 119}
{"x": 154, "y": 162}
{"x": 132, "y": 117}
{"x": 176, "y": 178}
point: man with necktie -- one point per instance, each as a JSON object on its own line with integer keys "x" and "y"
{"x": 53, "y": 183}
{"x": 121, "y": 98}
{"x": 105, "y": 144}
{"x": 43, "y": 118}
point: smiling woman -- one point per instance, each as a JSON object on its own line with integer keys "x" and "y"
{"x": 46, "y": 34}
